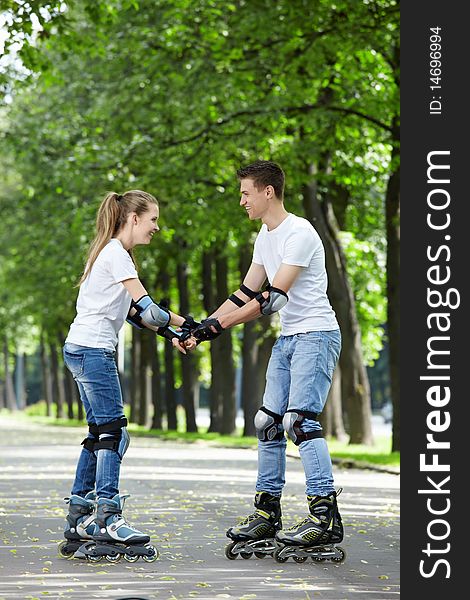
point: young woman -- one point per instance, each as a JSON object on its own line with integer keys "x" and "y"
{"x": 110, "y": 292}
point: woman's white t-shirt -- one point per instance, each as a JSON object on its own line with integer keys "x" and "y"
{"x": 103, "y": 302}
{"x": 296, "y": 242}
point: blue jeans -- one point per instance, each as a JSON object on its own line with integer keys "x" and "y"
{"x": 299, "y": 376}
{"x": 96, "y": 375}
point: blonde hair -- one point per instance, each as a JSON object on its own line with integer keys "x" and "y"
{"x": 111, "y": 217}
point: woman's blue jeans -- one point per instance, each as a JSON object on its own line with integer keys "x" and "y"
{"x": 299, "y": 376}
{"x": 96, "y": 375}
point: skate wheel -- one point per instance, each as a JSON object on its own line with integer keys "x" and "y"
{"x": 278, "y": 556}
{"x": 62, "y": 550}
{"x": 151, "y": 558}
{"x": 246, "y": 555}
{"x": 113, "y": 558}
{"x": 228, "y": 551}
{"x": 132, "y": 558}
{"x": 94, "y": 559}
{"x": 300, "y": 559}
{"x": 318, "y": 559}
{"x": 152, "y": 554}
{"x": 260, "y": 554}
{"x": 341, "y": 555}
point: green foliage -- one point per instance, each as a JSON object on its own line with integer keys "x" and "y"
{"x": 171, "y": 97}
{"x": 366, "y": 265}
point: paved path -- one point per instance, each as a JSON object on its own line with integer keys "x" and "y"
{"x": 185, "y": 496}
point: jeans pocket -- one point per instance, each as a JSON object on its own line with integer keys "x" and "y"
{"x": 75, "y": 363}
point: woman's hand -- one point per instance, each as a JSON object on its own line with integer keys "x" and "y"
{"x": 176, "y": 343}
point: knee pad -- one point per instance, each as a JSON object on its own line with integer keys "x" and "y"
{"x": 292, "y": 422}
{"x": 92, "y": 437}
{"x": 268, "y": 425}
{"x": 114, "y": 436}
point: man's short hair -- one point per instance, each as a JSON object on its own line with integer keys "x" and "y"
{"x": 264, "y": 173}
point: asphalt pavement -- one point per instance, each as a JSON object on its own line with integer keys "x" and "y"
{"x": 185, "y": 496}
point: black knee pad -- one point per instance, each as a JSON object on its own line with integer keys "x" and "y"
{"x": 113, "y": 436}
{"x": 92, "y": 437}
{"x": 268, "y": 425}
{"x": 292, "y": 421}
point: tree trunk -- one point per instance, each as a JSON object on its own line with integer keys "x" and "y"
{"x": 67, "y": 382}
{"x": 143, "y": 376}
{"x": 210, "y": 304}
{"x": 71, "y": 393}
{"x": 250, "y": 393}
{"x": 332, "y": 415}
{"x": 250, "y": 389}
{"x": 188, "y": 362}
{"x": 155, "y": 385}
{"x": 9, "y": 387}
{"x": 224, "y": 349}
{"x": 267, "y": 339}
{"x": 392, "y": 212}
{"x": 46, "y": 377}
{"x": 135, "y": 380}
{"x": 169, "y": 395}
{"x": 20, "y": 380}
{"x": 355, "y": 384}
{"x": 57, "y": 390}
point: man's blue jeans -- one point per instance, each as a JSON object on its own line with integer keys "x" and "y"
{"x": 96, "y": 375}
{"x": 299, "y": 376}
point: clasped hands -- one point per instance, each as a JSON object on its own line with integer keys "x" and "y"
{"x": 193, "y": 332}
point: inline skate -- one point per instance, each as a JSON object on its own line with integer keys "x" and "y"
{"x": 80, "y": 523}
{"x": 114, "y": 538}
{"x": 316, "y": 536}
{"x": 255, "y": 534}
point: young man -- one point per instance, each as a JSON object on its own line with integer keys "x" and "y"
{"x": 290, "y": 254}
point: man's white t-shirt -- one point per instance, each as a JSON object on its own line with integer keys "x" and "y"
{"x": 103, "y": 302}
{"x": 295, "y": 242}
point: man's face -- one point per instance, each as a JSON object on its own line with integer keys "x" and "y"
{"x": 254, "y": 201}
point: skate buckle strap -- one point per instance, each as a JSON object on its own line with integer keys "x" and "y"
{"x": 110, "y": 509}
{"x": 119, "y": 523}
{"x": 316, "y": 520}
{"x": 88, "y": 520}
{"x": 263, "y": 513}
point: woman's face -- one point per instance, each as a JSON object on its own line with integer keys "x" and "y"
{"x": 146, "y": 225}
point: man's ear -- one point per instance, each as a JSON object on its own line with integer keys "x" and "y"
{"x": 269, "y": 191}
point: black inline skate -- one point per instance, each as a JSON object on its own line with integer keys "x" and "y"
{"x": 316, "y": 536}
{"x": 255, "y": 534}
{"x": 114, "y": 538}
{"x": 80, "y": 524}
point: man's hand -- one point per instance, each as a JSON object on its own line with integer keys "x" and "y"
{"x": 208, "y": 330}
{"x": 189, "y": 343}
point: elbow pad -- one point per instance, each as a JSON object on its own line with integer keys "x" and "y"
{"x": 276, "y": 300}
{"x": 151, "y": 313}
